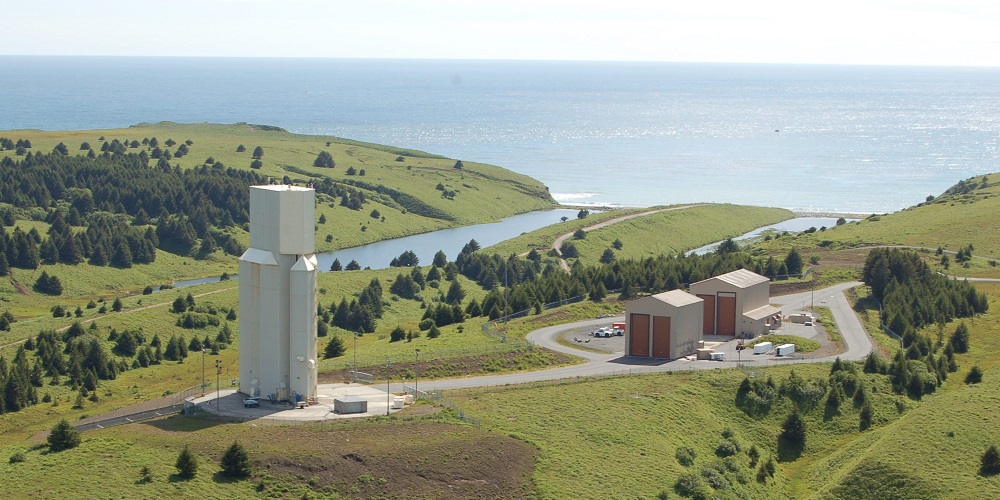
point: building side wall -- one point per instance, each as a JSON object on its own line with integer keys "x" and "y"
{"x": 249, "y": 326}
{"x": 756, "y": 296}
{"x": 686, "y": 330}
{"x": 302, "y": 331}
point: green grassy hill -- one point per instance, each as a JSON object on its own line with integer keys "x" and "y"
{"x": 483, "y": 193}
{"x": 963, "y": 215}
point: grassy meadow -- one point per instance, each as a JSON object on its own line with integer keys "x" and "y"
{"x": 602, "y": 437}
{"x": 670, "y": 232}
{"x": 590, "y": 438}
{"x": 951, "y": 221}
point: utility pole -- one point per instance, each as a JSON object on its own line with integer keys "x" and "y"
{"x": 416, "y": 373}
{"x": 218, "y": 374}
{"x": 388, "y": 395}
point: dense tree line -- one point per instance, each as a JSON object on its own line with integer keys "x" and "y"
{"x": 122, "y": 183}
{"x": 912, "y": 297}
{"x": 77, "y": 358}
{"x": 531, "y": 283}
{"x": 358, "y": 315}
{"x": 111, "y": 195}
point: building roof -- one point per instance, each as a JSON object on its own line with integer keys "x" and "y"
{"x": 741, "y": 278}
{"x": 677, "y": 298}
{"x": 762, "y": 312}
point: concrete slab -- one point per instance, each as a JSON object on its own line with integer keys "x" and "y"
{"x": 229, "y": 403}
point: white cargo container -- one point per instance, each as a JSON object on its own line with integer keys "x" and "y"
{"x": 762, "y": 348}
{"x": 785, "y": 349}
{"x": 350, "y": 404}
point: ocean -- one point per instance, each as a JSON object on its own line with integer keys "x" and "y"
{"x": 856, "y": 139}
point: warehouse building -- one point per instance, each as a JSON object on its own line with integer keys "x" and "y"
{"x": 665, "y": 325}
{"x": 737, "y": 303}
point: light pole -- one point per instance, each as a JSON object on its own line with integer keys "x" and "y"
{"x": 218, "y": 374}
{"x": 388, "y": 395}
{"x": 416, "y": 373}
{"x": 355, "y": 351}
{"x": 203, "y": 370}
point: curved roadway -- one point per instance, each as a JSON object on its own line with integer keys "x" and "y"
{"x": 857, "y": 342}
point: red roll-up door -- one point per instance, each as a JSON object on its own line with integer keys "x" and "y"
{"x": 726, "y": 323}
{"x": 639, "y": 335}
{"x": 661, "y": 336}
{"x": 709, "y": 314}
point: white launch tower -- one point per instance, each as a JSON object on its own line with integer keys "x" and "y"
{"x": 278, "y": 295}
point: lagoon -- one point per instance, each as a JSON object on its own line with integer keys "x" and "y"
{"x": 450, "y": 241}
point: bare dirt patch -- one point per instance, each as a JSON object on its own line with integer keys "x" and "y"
{"x": 403, "y": 460}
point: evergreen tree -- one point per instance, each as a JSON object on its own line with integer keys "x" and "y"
{"x": 63, "y": 437}
{"x": 235, "y": 461}
{"x": 116, "y": 306}
{"x": 187, "y": 464}
{"x": 793, "y": 262}
{"x": 324, "y": 160}
{"x": 794, "y": 428}
{"x": 455, "y": 293}
{"x": 336, "y": 266}
{"x": 335, "y": 348}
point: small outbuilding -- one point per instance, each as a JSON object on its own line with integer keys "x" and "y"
{"x": 665, "y": 325}
{"x": 736, "y": 303}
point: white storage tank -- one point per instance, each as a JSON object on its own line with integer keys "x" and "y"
{"x": 762, "y": 348}
{"x": 785, "y": 349}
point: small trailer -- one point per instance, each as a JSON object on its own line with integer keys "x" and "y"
{"x": 785, "y": 349}
{"x": 762, "y": 348}
{"x": 717, "y": 356}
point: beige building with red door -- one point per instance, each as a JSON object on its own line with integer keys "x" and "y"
{"x": 737, "y": 303}
{"x": 665, "y": 325}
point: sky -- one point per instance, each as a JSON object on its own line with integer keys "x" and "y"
{"x": 893, "y": 32}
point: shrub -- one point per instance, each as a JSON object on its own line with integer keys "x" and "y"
{"x": 754, "y": 455}
{"x": 433, "y": 333}
{"x": 64, "y": 436}
{"x": 865, "y": 417}
{"x": 236, "y": 461}
{"x": 145, "y": 475}
{"x": 187, "y": 464}
{"x": 990, "y": 461}
{"x": 685, "y": 455}
{"x": 975, "y": 375}
{"x": 690, "y": 484}
{"x": 397, "y": 334}
{"x": 727, "y": 448}
{"x": 17, "y": 458}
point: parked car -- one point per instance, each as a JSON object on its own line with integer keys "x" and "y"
{"x": 603, "y": 332}
{"x": 251, "y": 402}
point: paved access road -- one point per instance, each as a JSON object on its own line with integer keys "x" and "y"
{"x": 853, "y": 333}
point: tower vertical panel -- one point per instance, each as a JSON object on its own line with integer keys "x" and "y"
{"x": 278, "y": 294}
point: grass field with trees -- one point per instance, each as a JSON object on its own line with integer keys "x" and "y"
{"x": 791, "y": 431}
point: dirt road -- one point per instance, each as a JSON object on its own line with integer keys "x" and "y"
{"x": 557, "y": 244}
